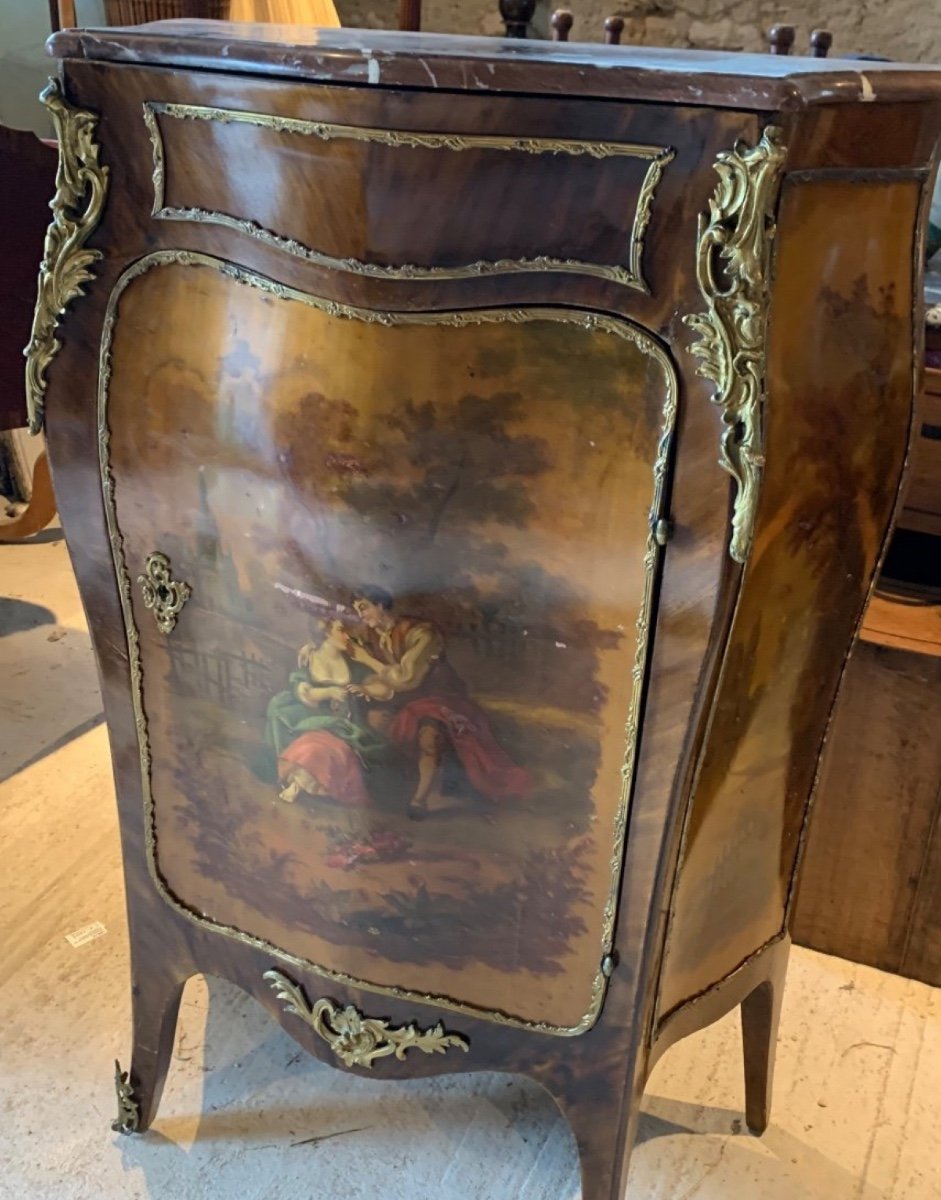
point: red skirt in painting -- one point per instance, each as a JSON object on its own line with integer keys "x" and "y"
{"x": 487, "y": 765}
{"x": 324, "y": 765}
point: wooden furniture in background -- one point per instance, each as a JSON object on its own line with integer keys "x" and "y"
{"x": 561, "y": 24}
{"x": 38, "y": 512}
{"x": 517, "y": 16}
{"x": 27, "y": 182}
{"x": 781, "y": 39}
{"x": 336, "y": 412}
{"x": 410, "y": 15}
{"x": 613, "y": 29}
{"x": 61, "y": 14}
{"x": 870, "y": 887}
{"x": 821, "y": 42}
{"x": 922, "y": 509}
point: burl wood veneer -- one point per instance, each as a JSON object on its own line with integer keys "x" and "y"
{"x": 475, "y": 458}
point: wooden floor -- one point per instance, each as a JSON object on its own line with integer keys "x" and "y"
{"x": 247, "y": 1116}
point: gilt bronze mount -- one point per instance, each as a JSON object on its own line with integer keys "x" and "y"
{"x": 358, "y": 1040}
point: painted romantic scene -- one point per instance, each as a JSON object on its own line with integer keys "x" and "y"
{"x": 388, "y": 732}
{"x": 355, "y": 700}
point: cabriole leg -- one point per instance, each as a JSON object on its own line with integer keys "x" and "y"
{"x": 605, "y": 1126}
{"x": 156, "y": 1004}
{"x": 761, "y": 1016}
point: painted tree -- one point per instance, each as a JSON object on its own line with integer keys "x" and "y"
{"x": 458, "y": 467}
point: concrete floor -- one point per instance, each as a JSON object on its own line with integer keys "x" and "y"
{"x": 247, "y": 1116}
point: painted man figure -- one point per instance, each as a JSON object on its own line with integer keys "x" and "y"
{"x": 421, "y": 704}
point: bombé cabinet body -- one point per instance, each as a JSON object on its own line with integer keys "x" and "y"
{"x": 475, "y": 458}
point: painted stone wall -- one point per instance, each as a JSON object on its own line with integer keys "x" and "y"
{"x": 908, "y": 30}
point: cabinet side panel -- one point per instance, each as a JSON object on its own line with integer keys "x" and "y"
{"x": 839, "y": 409}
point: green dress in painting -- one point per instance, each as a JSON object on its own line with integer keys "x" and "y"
{"x": 288, "y": 717}
{"x": 315, "y": 743}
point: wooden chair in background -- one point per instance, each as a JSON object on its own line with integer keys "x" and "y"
{"x": 781, "y": 38}
{"x": 27, "y": 180}
{"x": 61, "y": 14}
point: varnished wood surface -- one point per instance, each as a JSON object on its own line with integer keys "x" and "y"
{"x": 758, "y": 987}
{"x": 602, "y": 195}
{"x": 882, "y": 143}
{"x": 219, "y": 482}
{"x": 484, "y": 1134}
{"x": 903, "y": 625}
{"x": 410, "y": 14}
{"x": 780, "y": 675}
{"x": 440, "y": 61}
{"x": 40, "y": 510}
{"x": 869, "y": 887}
{"x": 932, "y": 383}
{"x": 353, "y": 219}
{"x": 591, "y": 1084}
{"x": 923, "y": 491}
{"x": 596, "y": 1078}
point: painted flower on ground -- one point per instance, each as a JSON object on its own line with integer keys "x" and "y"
{"x": 380, "y": 845}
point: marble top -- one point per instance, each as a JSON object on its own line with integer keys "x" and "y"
{"x": 443, "y": 61}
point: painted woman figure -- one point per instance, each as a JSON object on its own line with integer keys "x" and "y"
{"x": 321, "y": 750}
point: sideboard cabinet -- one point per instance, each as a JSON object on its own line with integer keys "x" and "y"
{"x": 475, "y": 458}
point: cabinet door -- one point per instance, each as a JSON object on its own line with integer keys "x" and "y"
{"x": 388, "y": 724}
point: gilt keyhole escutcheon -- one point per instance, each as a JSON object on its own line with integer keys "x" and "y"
{"x": 163, "y": 595}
